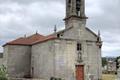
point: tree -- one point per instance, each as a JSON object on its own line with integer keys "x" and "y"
{"x": 3, "y": 73}
{"x": 117, "y": 64}
{"x": 104, "y": 61}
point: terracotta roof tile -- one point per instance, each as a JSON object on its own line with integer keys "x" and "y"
{"x": 26, "y": 40}
{"x": 18, "y": 41}
{"x": 50, "y": 37}
{"x": 33, "y": 39}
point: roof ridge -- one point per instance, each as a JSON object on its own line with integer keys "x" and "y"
{"x": 35, "y": 38}
{"x": 34, "y": 34}
{"x": 61, "y": 31}
{"x": 91, "y": 31}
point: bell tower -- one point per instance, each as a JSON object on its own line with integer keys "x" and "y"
{"x": 75, "y": 11}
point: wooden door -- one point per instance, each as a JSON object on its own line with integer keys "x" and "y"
{"x": 79, "y": 72}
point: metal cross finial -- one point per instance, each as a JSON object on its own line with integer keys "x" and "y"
{"x": 99, "y": 38}
{"x": 25, "y": 36}
{"x": 55, "y": 29}
{"x": 36, "y": 31}
{"x": 98, "y": 33}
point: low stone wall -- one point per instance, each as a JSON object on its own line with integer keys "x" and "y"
{"x": 118, "y": 74}
{"x": 22, "y": 79}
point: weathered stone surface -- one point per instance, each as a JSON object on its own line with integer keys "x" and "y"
{"x": 17, "y": 60}
{"x": 57, "y": 59}
{"x": 1, "y": 61}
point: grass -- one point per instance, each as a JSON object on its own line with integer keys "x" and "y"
{"x": 109, "y": 77}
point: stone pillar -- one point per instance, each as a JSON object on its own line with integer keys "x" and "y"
{"x": 82, "y": 8}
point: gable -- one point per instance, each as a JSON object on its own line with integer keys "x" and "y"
{"x": 91, "y": 32}
{"x": 73, "y": 33}
{"x": 90, "y": 35}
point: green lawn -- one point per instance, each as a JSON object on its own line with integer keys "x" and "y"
{"x": 108, "y": 77}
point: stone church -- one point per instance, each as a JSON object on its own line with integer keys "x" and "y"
{"x": 70, "y": 54}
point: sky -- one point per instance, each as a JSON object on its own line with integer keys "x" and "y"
{"x": 20, "y": 17}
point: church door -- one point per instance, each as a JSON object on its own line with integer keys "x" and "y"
{"x": 79, "y": 72}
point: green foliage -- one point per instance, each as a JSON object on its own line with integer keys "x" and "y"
{"x": 117, "y": 64}
{"x": 104, "y": 61}
{"x": 3, "y": 73}
{"x": 54, "y": 78}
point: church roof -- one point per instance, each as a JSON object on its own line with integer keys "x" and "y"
{"x": 91, "y": 32}
{"x": 46, "y": 38}
{"x": 64, "y": 30}
{"x": 33, "y": 39}
{"x": 37, "y": 38}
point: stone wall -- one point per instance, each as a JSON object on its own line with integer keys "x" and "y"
{"x": 22, "y": 79}
{"x": 93, "y": 60}
{"x": 1, "y": 59}
{"x": 42, "y": 64}
{"x": 91, "y": 53}
{"x": 118, "y": 74}
{"x": 55, "y": 58}
{"x": 79, "y": 33}
{"x": 17, "y": 60}
{"x": 65, "y": 58}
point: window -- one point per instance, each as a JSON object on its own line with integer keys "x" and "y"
{"x": 58, "y": 35}
{"x": 78, "y": 4}
{"x": 69, "y": 1}
{"x": 79, "y": 47}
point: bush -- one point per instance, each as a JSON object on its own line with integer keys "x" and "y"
{"x": 54, "y": 78}
{"x": 3, "y": 73}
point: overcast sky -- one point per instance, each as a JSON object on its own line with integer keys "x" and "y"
{"x": 20, "y": 17}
